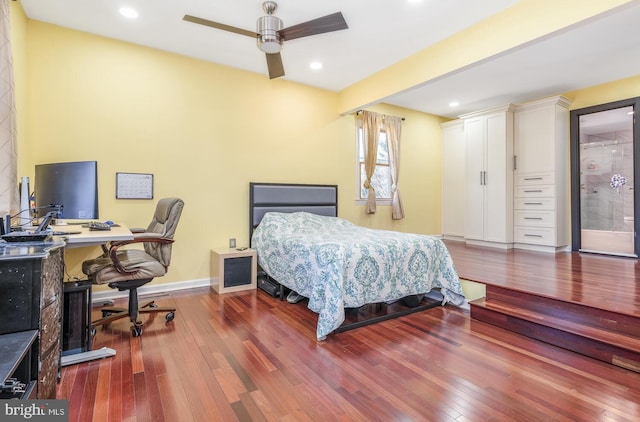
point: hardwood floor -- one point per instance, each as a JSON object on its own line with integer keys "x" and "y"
{"x": 600, "y": 281}
{"x": 249, "y": 357}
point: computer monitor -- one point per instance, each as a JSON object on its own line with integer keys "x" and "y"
{"x": 72, "y": 186}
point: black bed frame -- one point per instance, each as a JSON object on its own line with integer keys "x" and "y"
{"x": 321, "y": 200}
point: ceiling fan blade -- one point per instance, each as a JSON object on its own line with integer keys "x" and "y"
{"x": 274, "y": 64}
{"x": 329, "y": 23}
{"x": 217, "y": 25}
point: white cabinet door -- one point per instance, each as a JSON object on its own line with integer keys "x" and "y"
{"x": 499, "y": 178}
{"x": 475, "y": 203}
{"x": 535, "y": 140}
{"x": 453, "y": 178}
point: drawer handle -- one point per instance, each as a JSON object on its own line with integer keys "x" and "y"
{"x": 44, "y": 328}
{"x": 532, "y": 235}
{"x": 533, "y": 190}
{"x": 533, "y": 178}
{"x": 533, "y": 203}
{"x": 533, "y": 218}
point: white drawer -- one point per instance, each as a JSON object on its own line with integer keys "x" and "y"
{"x": 535, "y": 218}
{"x": 547, "y": 204}
{"x": 535, "y": 236}
{"x": 535, "y": 179}
{"x": 536, "y": 191}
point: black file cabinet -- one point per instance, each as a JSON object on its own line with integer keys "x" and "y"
{"x": 31, "y": 276}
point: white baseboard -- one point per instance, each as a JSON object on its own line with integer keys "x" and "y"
{"x": 541, "y": 248}
{"x": 150, "y": 289}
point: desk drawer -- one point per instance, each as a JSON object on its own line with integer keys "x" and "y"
{"x": 50, "y": 326}
{"x": 52, "y": 276}
{"x": 48, "y": 375}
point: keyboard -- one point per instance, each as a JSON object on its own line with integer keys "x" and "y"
{"x": 97, "y": 225}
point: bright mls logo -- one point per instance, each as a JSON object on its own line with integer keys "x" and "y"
{"x": 34, "y": 410}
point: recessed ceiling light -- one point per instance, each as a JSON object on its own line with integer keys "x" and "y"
{"x": 454, "y": 104}
{"x": 128, "y": 12}
{"x": 315, "y": 65}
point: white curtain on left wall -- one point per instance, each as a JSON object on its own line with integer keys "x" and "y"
{"x": 8, "y": 149}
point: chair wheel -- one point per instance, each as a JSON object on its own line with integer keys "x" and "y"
{"x": 170, "y": 316}
{"x": 136, "y": 331}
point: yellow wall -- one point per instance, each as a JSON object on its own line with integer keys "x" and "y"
{"x": 605, "y": 93}
{"x": 205, "y": 131}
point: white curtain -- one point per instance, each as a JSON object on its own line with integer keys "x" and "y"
{"x": 393, "y": 128}
{"x": 8, "y": 149}
{"x": 371, "y": 125}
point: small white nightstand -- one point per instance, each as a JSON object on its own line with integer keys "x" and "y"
{"x": 233, "y": 270}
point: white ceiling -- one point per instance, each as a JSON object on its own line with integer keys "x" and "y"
{"x": 381, "y": 32}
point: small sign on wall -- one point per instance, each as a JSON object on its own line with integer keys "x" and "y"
{"x": 134, "y": 186}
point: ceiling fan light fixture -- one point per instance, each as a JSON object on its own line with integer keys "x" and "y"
{"x": 270, "y": 36}
{"x": 269, "y": 41}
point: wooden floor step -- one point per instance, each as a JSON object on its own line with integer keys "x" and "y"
{"x": 594, "y": 333}
{"x": 597, "y": 342}
{"x": 578, "y": 313}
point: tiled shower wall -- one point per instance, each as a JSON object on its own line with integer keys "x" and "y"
{"x": 604, "y": 207}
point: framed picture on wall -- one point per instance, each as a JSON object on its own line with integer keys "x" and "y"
{"x": 134, "y": 186}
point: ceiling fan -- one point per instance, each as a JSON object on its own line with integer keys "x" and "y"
{"x": 270, "y": 35}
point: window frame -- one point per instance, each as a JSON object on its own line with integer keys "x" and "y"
{"x": 359, "y": 182}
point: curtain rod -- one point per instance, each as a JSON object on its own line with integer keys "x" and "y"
{"x": 360, "y": 111}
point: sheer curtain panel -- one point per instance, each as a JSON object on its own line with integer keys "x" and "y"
{"x": 8, "y": 153}
{"x": 371, "y": 125}
{"x": 393, "y": 129}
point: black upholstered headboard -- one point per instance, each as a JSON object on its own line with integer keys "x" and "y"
{"x": 286, "y": 197}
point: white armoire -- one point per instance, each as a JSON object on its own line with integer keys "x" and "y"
{"x": 505, "y": 176}
{"x": 488, "y": 216}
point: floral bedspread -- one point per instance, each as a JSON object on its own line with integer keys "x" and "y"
{"x": 337, "y": 264}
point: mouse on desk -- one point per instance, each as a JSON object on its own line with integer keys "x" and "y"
{"x": 109, "y": 222}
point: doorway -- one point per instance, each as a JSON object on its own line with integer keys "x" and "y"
{"x": 604, "y": 156}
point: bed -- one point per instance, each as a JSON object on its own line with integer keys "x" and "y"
{"x": 337, "y": 265}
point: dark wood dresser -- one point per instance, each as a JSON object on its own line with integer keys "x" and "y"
{"x": 31, "y": 277}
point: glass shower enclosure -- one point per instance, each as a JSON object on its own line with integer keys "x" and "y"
{"x": 606, "y": 183}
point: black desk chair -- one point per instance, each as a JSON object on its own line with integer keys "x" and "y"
{"x": 128, "y": 269}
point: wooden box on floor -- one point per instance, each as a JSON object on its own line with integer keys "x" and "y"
{"x": 233, "y": 270}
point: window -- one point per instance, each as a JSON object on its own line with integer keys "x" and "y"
{"x": 381, "y": 180}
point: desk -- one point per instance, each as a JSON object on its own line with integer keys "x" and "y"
{"x": 88, "y": 237}
{"x": 85, "y": 238}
